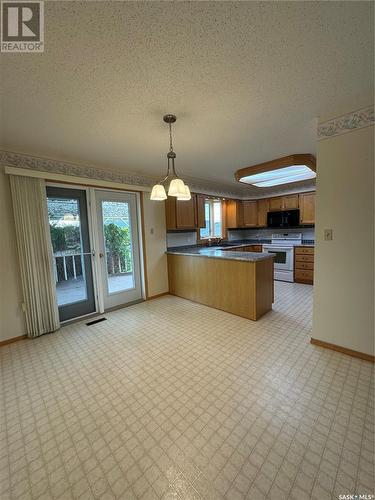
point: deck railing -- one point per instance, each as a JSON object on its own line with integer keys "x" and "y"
{"x": 67, "y": 266}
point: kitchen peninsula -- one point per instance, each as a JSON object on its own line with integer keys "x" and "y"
{"x": 235, "y": 281}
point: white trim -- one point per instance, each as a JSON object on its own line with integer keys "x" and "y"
{"x": 93, "y": 232}
{"x": 141, "y": 244}
{"x": 49, "y": 169}
{"x": 93, "y": 228}
{"x": 71, "y": 179}
{"x": 361, "y": 118}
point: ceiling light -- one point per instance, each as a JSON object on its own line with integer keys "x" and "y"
{"x": 186, "y": 195}
{"x": 284, "y": 175}
{"x": 294, "y": 168}
{"x": 158, "y": 193}
{"x": 177, "y": 188}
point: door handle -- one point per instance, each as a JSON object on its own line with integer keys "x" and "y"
{"x": 101, "y": 255}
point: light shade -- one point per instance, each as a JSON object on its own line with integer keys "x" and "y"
{"x": 187, "y": 195}
{"x": 158, "y": 193}
{"x": 177, "y": 188}
{"x": 293, "y": 173}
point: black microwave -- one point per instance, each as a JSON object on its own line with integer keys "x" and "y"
{"x": 283, "y": 218}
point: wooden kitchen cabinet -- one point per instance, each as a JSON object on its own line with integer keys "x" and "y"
{"x": 307, "y": 208}
{"x": 234, "y": 214}
{"x": 181, "y": 214}
{"x": 276, "y": 204}
{"x": 247, "y": 248}
{"x": 201, "y": 220}
{"x": 250, "y": 213}
{"x": 304, "y": 265}
{"x": 263, "y": 208}
{"x": 290, "y": 202}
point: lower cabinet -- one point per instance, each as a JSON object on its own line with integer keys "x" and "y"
{"x": 304, "y": 265}
{"x": 248, "y": 248}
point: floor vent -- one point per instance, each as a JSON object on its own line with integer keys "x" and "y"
{"x": 96, "y": 321}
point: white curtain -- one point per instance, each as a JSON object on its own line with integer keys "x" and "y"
{"x": 35, "y": 255}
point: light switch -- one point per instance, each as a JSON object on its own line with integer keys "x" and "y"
{"x": 328, "y": 234}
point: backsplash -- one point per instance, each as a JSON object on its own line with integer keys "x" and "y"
{"x": 308, "y": 233}
{"x": 181, "y": 239}
{"x": 190, "y": 238}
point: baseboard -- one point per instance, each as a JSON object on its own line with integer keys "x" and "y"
{"x": 344, "y": 350}
{"x": 14, "y": 339}
{"x": 157, "y": 296}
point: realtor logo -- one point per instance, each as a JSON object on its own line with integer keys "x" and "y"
{"x": 22, "y": 26}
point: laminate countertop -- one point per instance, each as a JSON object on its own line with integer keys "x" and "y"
{"x": 221, "y": 253}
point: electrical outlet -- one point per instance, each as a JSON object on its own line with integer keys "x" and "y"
{"x": 328, "y": 234}
{"x": 152, "y": 230}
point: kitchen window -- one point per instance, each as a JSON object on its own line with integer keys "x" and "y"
{"x": 213, "y": 219}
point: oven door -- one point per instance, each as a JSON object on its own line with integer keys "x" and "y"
{"x": 283, "y": 256}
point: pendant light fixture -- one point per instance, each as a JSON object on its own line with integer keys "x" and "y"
{"x": 177, "y": 187}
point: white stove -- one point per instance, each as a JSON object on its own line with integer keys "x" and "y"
{"x": 282, "y": 247}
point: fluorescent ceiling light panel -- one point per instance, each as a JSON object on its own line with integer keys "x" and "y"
{"x": 293, "y": 173}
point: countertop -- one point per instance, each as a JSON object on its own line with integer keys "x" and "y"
{"x": 220, "y": 253}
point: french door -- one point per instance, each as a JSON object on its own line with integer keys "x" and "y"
{"x": 118, "y": 248}
{"x": 72, "y": 257}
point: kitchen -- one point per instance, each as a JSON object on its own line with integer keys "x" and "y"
{"x": 279, "y": 226}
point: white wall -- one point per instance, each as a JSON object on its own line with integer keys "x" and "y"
{"x": 11, "y": 315}
{"x": 155, "y": 243}
{"x": 344, "y": 267}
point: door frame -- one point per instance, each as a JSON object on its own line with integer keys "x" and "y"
{"x": 96, "y": 236}
{"x": 93, "y": 230}
{"x": 75, "y": 187}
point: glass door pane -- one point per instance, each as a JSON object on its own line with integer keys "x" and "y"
{"x": 118, "y": 247}
{"x": 67, "y": 213}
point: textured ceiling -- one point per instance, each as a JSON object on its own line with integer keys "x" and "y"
{"x": 247, "y": 81}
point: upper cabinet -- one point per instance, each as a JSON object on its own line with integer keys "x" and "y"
{"x": 288, "y": 202}
{"x": 237, "y": 214}
{"x": 263, "y": 208}
{"x": 201, "y": 221}
{"x": 234, "y": 214}
{"x": 186, "y": 214}
{"x": 250, "y": 213}
{"x": 276, "y": 204}
{"x": 307, "y": 208}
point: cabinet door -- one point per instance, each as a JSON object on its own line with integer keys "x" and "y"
{"x": 307, "y": 208}
{"x": 263, "y": 208}
{"x": 234, "y": 213}
{"x": 186, "y": 213}
{"x": 200, "y": 211}
{"x": 250, "y": 213}
{"x": 170, "y": 213}
{"x": 290, "y": 202}
{"x": 276, "y": 203}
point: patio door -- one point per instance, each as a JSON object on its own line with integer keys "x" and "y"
{"x": 119, "y": 255}
{"x": 72, "y": 258}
